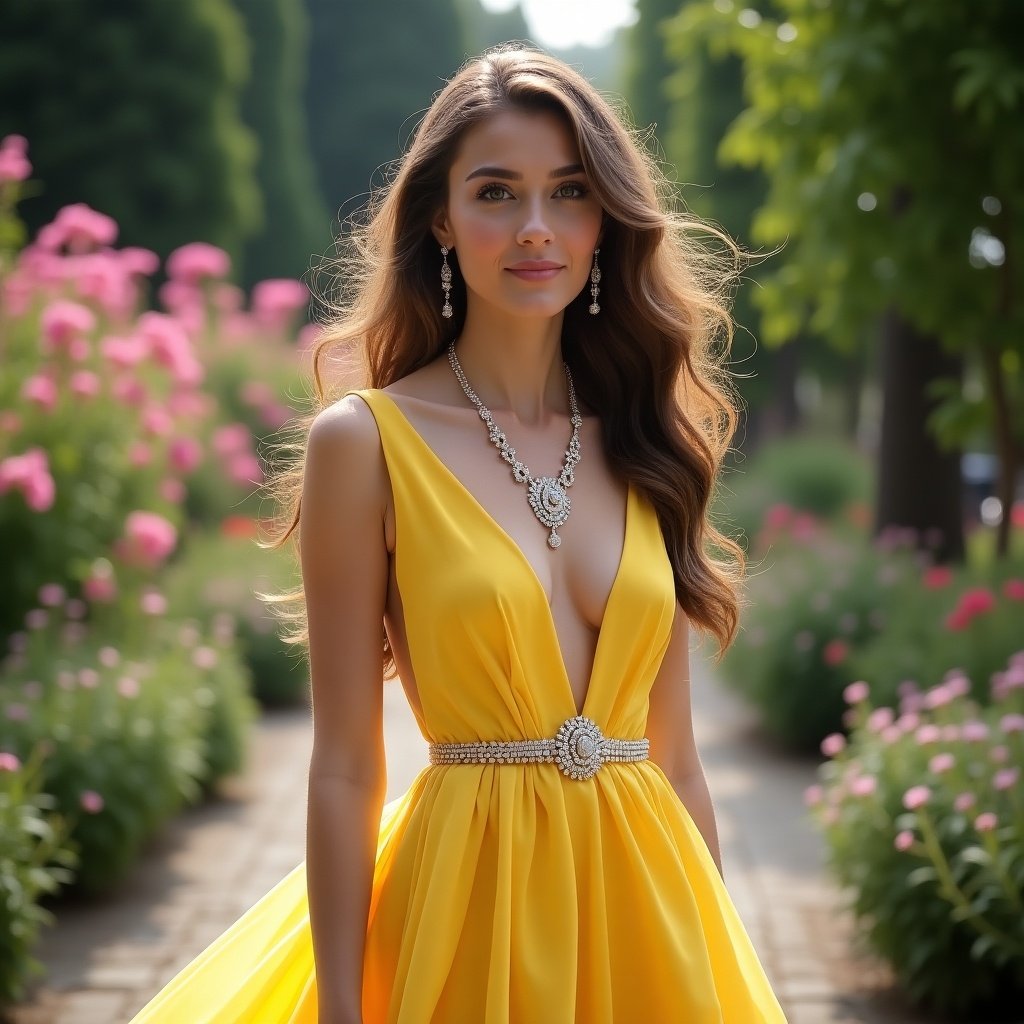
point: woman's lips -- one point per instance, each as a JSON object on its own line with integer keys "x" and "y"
{"x": 535, "y": 275}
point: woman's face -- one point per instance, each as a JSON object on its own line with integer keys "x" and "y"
{"x": 517, "y": 193}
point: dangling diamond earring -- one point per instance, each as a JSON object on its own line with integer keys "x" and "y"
{"x": 446, "y": 282}
{"x": 595, "y": 277}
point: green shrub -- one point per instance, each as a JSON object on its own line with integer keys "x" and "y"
{"x": 223, "y": 572}
{"x": 36, "y": 858}
{"x": 128, "y": 740}
{"x": 822, "y": 478}
{"x": 825, "y": 597}
{"x": 923, "y": 814}
{"x": 966, "y": 618}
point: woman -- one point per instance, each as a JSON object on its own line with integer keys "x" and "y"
{"x": 521, "y": 498}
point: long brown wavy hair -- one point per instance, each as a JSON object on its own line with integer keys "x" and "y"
{"x": 651, "y": 365}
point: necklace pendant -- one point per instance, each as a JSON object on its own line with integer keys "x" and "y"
{"x": 554, "y": 540}
{"x": 549, "y": 501}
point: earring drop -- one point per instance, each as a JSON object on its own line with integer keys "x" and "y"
{"x": 446, "y": 282}
{"x": 595, "y": 277}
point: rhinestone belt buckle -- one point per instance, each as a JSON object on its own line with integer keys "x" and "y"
{"x": 578, "y": 745}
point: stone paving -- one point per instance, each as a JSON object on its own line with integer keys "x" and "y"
{"x": 105, "y": 959}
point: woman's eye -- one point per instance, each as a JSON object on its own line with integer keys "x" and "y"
{"x": 580, "y": 190}
{"x": 484, "y": 193}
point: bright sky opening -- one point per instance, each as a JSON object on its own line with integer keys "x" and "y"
{"x": 562, "y": 23}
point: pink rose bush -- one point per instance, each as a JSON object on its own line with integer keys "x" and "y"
{"x": 122, "y": 420}
{"x": 127, "y": 433}
{"x": 922, "y": 809}
{"x": 838, "y": 607}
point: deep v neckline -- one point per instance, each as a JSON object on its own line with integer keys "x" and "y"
{"x": 501, "y": 532}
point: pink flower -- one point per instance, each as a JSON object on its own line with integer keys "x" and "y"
{"x": 51, "y": 595}
{"x": 148, "y": 538}
{"x": 856, "y": 692}
{"x": 17, "y": 712}
{"x": 62, "y": 322}
{"x": 904, "y": 841}
{"x": 938, "y": 696}
{"x": 9, "y": 762}
{"x": 915, "y": 797}
{"x": 957, "y": 684}
{"x": 833, "y": 744}
{"x": 938, "y": 576}
{"x": 85, "y": 384}
{"x": 109, "y": 657}
{"x": 813, "y": 795}
{"x": 1014, "y": 589}
{"x": 256, "y": 393}
{"x": 140, "y": 454}
{"x": 123, "y": 353}
{"x": 14, "y": 165}
{"x": 974, "y": 731}
{"x": 879, "y": 719}
{"x": 185, "y": 454}
{"x": 245, "y": 468}
{"x": 29, "y": 473}
{"x": 778, "y": 516}
{"x": 100, "y": 589}
{"x": 40, "y": 389}
{"x": 863, "y": 785}
{"x": 138, "y": 261}
{"x": 928, "y": 733}
{"x": 1006, "y": 778}
{"x": 276, "y": 301}
{"x": 942, "y": 763}
{"x": 908, "y": 722}
{"x": 198, "y": 260}
{"x": 172, "y": 490}
{"x": 88, "y": 678}
{"x": 82, "y": 228}
{"x": 1012, "y": 723}
{"x": 986, "y": 822}
{"x": 91, "y": 801}
{"x": 128, "y": 687}
{"x": 36, "y": 618}
{"x": 153, "y": 603}
{"x": 156, "y": 422}
{"x": 231, "y": 439}
{"x": 169, "y": 344}
{"x": 964, "y": 802}
{"x": 204, "y": 657}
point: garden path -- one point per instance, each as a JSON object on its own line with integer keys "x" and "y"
{"x": 104, "y": 960}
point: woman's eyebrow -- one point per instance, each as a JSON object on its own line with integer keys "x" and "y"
{"x": 504, "y": 172}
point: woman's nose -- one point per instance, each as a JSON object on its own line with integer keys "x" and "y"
{"x": 534, "y": 227}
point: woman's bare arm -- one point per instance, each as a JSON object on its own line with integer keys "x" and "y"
{"x": 670, "y": 729}
{"x": 344, "y": 572}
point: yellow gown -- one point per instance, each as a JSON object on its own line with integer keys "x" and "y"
{"x": 508, "y": 893}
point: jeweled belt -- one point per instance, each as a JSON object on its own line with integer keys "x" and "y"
{"x": 579, "y": 748}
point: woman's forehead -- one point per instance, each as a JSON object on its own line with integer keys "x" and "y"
{"x": 520, "y": 140}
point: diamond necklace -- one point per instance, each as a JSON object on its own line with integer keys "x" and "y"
{"x": 546, "y": 495}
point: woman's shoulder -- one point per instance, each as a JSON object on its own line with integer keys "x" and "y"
{"x": 344, "y": 438}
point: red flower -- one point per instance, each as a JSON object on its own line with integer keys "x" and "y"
{"x": 938, "y": 576}
{"x": 835, "y": 652}
{"x": 238, "y": 526}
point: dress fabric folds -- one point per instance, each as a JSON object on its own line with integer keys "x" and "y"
{"x": 508, "y": 893}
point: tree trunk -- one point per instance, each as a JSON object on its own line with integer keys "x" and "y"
{"x": 918, "y": 484}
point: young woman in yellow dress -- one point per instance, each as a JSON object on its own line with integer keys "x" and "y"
{"x": 510, "y": 511}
